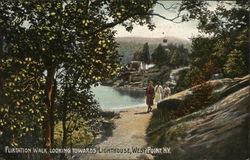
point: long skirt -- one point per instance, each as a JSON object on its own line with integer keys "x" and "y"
{"x": 149, "y": 99}
{"x": 158, "y": 97}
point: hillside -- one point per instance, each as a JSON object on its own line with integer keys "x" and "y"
{"x": 217, "y": 131}
{"x": 127, "y": 49}
{"x": 128, "y": 45}
{"x": 143, "y": 40}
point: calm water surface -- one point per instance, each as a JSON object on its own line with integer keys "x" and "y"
{"x": 114, "y": 98}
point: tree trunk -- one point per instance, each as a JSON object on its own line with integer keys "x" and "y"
{"x": 65, "y": 133}
{"x": 53, "y": 96}
{"x": 1, "y": 75}
{"x": 64, "y": 119}
{"x": 48, "y": 126}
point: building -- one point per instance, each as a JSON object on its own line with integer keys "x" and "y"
{"x": 138, "y": 66}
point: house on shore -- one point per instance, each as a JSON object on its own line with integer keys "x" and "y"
{"x": 138, "y": 66}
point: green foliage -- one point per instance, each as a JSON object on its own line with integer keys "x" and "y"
{"x": 138, "y": 55}
{"x": 145, "y": 54}
{"x": 237, "y": 60}
{"x": 160, "y": 56}
{"x": 77, "y": 111}
{"x": 77, "y": 137}
{"x": 126, "y": 50}
{"x": 202, "y": 47}
{"x": 180, "y": 56}
{"x": 142, "y": 55}
{"x": 21, "y": 109}
{"x": 201, "y": 97}
{"x": 235, "y": 65}
{"x": 203, "y": 61}
{"x": 227, "y": 47}
{"x": 46, "y": 39}
{"x": 182, "y": 83}
{"x": 171, "y": 55}
{"x": 175, "y": 59}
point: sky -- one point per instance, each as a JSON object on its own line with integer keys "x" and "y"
{"x": 164, "y": 28}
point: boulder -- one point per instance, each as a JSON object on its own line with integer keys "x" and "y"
{"x": 174, "y": 101}
{"x": 218, "y": 131}
{"x": 221, "y": 88}
{"x": 175, "y": 74}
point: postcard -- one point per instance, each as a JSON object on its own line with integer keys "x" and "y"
{"x": 124, "y": 79}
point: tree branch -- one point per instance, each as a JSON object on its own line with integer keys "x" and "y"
{"x": 168, "y": 19}
{"x": 113, "y": 24}
{"x": 172, "y": 6}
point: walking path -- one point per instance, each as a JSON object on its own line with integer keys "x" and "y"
{"x": 128, "y": 134}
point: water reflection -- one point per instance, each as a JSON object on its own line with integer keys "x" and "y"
{"x": 115, "y": 98}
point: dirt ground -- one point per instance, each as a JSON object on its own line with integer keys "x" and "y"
{"x": 128, "y": 134}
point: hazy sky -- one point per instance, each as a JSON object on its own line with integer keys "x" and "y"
{"x": 163, "y": 28}
{"x": 183, "y": 30}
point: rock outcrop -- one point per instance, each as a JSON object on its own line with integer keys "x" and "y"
{"x": 175, "y": 75}
{"x": 138, "y": 80}
{"x": 219, "y": 131}
{"x": 221, "y": 88}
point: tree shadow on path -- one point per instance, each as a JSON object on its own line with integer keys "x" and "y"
{"x": 141, "y": 113}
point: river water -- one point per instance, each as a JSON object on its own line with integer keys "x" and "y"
{"x": 111, "y": 98}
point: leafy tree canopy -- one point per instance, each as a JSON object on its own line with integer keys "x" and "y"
{"x": 223, "y": 40}
{"x": 44, "y": 38}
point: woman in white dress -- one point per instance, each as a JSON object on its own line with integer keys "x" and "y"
{"x": 158, "y": 92}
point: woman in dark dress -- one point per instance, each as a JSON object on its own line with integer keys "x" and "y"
{"x": 150, "y": 96}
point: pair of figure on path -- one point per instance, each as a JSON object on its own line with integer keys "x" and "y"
{"x": 156, "y": 93}
{"x": 161, "y": 92}
{"x": 166, "y": 91}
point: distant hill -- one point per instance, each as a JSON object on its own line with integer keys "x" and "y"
{"x": 152, "y": 40}
{"x": 127, "y": 49}
{"x": 128, "y": 45}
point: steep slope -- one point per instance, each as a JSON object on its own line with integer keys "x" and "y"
{"x": 218, "y": 131}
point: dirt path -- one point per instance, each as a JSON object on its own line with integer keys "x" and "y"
{"x": 129, "y": 133}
